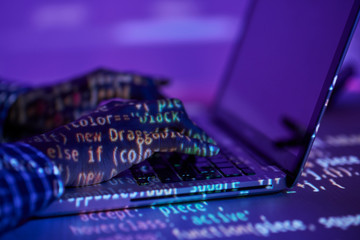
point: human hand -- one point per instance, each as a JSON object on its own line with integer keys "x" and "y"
{"x": 43, "y": 109}
{"x": 119, "y": 134}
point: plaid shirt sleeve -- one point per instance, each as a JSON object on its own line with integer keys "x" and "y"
{"x": 29, "y": 181}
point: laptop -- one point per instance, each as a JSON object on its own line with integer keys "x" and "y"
{"x": 265, "y": 117}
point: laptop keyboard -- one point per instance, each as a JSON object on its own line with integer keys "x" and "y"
{"x": 175, "y": 167}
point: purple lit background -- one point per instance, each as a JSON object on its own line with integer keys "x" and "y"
{"x": 188, "y": 41}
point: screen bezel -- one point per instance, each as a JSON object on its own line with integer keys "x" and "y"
{"x": 250, "y": 136}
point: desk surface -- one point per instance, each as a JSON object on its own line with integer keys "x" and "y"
{"x": 325, "y": 203}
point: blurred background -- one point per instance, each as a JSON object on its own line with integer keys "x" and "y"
{"x": 43, "y": 42}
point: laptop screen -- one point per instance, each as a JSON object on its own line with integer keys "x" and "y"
{"x": 281, "y": 71}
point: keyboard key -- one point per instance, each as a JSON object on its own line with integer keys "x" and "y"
{"x": 184, "y": 166}
{"x": 188, "y": 174}
{"x": 167, "y": 176}
{"x": 212, "y": 175}
{"x": 142, "y": 181}
{"x": 239, "y": 164}
{"x": 204, "y": 168}
{"x": 163, "y": 170}
{"x": 142, "y": 173}
{"x": 201, "y": 160}
{"x": 224, "y": 165}
{"x": 181, "y": 167}
{"x": 219, "y": 160}
{"x": 175, "y": 158}
{"x": 230, "y": 172}
{"x": 248, "y": 171}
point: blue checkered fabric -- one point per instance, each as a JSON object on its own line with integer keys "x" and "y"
{"x": 29, "y": 181}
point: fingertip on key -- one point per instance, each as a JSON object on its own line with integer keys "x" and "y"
{"x": 214, "y": 150}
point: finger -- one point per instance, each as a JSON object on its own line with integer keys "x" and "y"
{"x": 141, "y": 114}
{"x": 194, "y": 131}
{"x": 118, "y": 106}
{"x": 159, "y": 106}
{"x": 146, "y": 107}
{"x": 116, "y": 102}
{"x": 176, "y": 142}
{"x": 181, "y": 119}
{"x": 179, "y": 122}
{"x": 174, "y": 120}
{"x": 138, "y": 108}
{"x": 147, "y": 114}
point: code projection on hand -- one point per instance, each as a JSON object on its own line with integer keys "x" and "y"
{"x": 119, "y": 134}
{"x": 322, "y": 205}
